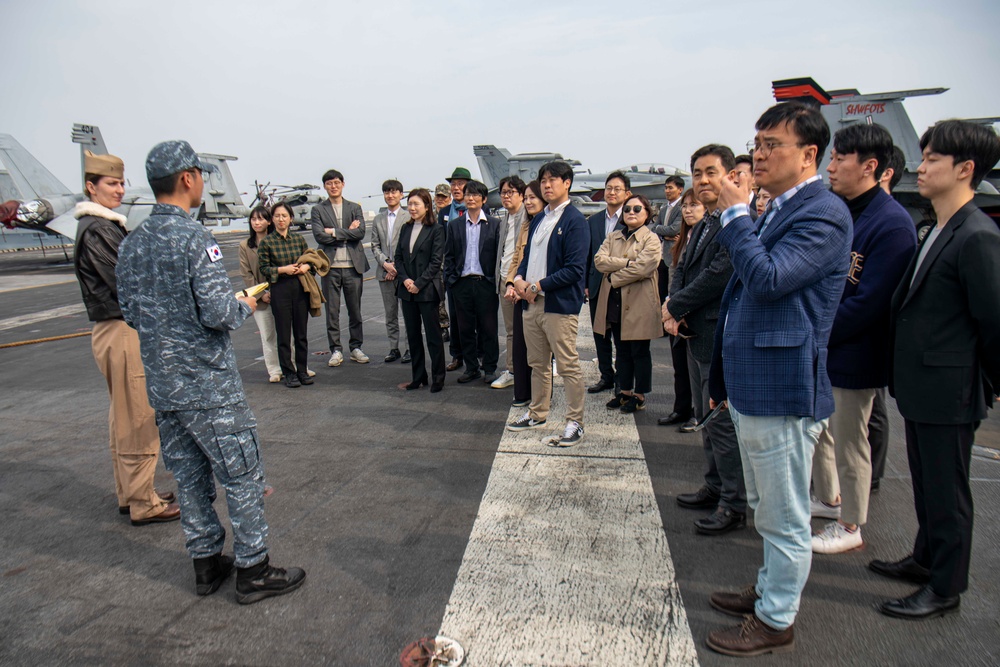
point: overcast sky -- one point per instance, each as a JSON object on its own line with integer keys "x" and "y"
{"x": 403, "y": 89}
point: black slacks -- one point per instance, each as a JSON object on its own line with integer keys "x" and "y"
{"x": 602, "y": 341}
{"x": 477, "y": 304}
{"x": 426, "y": 312}
{"x": 521, "y": 370}
{"x": 940, "y": 456}
{"x": 635, "y": 363}
{"x": 291, "y": 317}
{"x": 683, "y": 398}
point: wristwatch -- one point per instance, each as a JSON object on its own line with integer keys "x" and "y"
{"x": 533, "y": 288}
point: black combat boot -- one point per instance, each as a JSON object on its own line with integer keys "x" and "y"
{"x": 209, "y": 573}
{"x": 261, "y": 581}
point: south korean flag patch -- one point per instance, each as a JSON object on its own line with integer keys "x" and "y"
{"x": 214, "y": 254}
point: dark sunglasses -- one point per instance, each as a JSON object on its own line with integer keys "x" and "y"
{"x": 634, "y": 209}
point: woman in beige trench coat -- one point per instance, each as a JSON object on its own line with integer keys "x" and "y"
{"x": 628, "y": 303}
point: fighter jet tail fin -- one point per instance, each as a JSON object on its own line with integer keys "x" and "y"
{"x": 493, "y": 163}
{"x": 90, "y": 139}
{"x": 22, "y": 177}
{"x": 222, "y": 200}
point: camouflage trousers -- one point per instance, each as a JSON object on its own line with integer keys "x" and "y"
{"x": 197, "y": 444}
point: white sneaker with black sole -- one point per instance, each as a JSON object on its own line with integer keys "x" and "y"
{"x": 571, "y": 436}
{"x": 525, "y": 423}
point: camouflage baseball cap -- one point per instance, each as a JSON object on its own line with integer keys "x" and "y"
{"x": 442, "y": 189}
{"x": 171, "y": 157}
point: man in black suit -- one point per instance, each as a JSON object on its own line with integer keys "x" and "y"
{"x": 692, "y": 309}
{"x": 470, "y": 261}
{"x": 744, "y": 167}
{"x": 946, "y": 363}
{"x": 617, "y": 190}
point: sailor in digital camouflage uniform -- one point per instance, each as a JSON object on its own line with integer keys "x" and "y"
{"x": 174, "y": 290}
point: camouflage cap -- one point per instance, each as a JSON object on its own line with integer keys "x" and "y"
{"x": 442, "y": 189}
{"x": 171, "y": 157}
{"x": 103, "y": 165}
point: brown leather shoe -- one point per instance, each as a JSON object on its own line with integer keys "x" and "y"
{"x": 752, "y": 637}
{"x": 735, "y": 604}
{"x": 167, "y": 497}
{"x": 171, "y": 512}
{"x": 454, "y": 365}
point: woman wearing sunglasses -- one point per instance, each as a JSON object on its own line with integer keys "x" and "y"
{"x": 628, "y": 304}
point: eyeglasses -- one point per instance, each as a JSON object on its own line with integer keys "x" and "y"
{"x": 473, "y": 194}
{"x": 638, "y": 208}
{"x": 508, "y": 193}
{"x": 765, "y": 149}
{"x": 615, "y": 190}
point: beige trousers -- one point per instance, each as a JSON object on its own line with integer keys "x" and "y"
{"x": 134, "y": 437}
{"x": 842, "y": 463}
{"x": 545, "y": 335}
{"x": 507, "y": 308}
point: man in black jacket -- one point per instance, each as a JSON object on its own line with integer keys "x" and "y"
{"x": 470, "y": 261}
{"x": 946, "y": 363}
{"x": 692, "y": 309}
{"x": 135, "y": 439}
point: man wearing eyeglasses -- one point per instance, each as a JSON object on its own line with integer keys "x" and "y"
{"x": 512, "y": 198}
{"x": 616, "y": 192}
{"x": 769, "y": 359}
{"x": 470, "y": 261}
{"x": 692, "y": 310}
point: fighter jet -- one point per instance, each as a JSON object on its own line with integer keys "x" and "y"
{"x": 299, "y": 197}
{"x": 44, "y": 204}
{"x": 843, "y": 107}
{"x": 496, "y": 163}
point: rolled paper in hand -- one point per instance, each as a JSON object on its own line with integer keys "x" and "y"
{"x": 254, "y": 291}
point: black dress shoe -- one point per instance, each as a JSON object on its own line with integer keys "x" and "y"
{"x": 702, "y": 499}
{"x": 304, "y": 378}
{"x": 469, "y": 376}
{"x": 602, "y": 385}
{"x": 672, "y": 418}
{"x": 455, "y": 364}
{"x": 406, "y": 358}
{"x": 410, "y": 386}
{"x": 925, "y": 603}
{"x": 688, "y": 426}
{"x": 906, "y": 569}
{"x": 720, "y": 522}
{"x": 292, "y": 381}
{"x": 436, "y": 387}
{"x": 392, "y": 356}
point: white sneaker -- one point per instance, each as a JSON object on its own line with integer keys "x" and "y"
{"x": 311, "y": 373}
{"x": 836, "y": 539}
{"x": 821, "y": 510}
{"x": 275, "y": 379}
{"x": 359, "y": 356}
{"x": 555, "y": 371}
{"x": 571, "y": 436}
{"x": 505, "y": 380}
{"x": 336, "y": 358}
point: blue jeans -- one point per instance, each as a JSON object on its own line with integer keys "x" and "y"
{"x": 777, "y": 464}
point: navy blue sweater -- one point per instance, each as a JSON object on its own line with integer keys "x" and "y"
{"x": 884, "y": 241}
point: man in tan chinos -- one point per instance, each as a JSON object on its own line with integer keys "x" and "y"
{"x": 134, "y": 437}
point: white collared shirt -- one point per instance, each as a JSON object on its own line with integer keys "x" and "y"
{"x": 610, "y": 221}
{"x": 538, "y": 263}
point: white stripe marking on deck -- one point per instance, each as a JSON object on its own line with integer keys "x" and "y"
{"x": 568, "y": 562}
{"x": 25, "y": 320}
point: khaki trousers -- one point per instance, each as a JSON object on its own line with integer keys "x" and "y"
{"x": 842, "y": 464}
{"x": 134, "y": 436}
{"x": 547, "y": 335}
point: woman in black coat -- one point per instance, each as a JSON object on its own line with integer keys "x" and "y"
{"x": 419, "y": 284}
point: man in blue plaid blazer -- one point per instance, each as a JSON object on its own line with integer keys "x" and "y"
{"x": 770, "y": 358}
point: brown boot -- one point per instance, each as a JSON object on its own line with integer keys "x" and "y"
{"x": 752, "y": 637}
{"x": 735, "y": 604}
